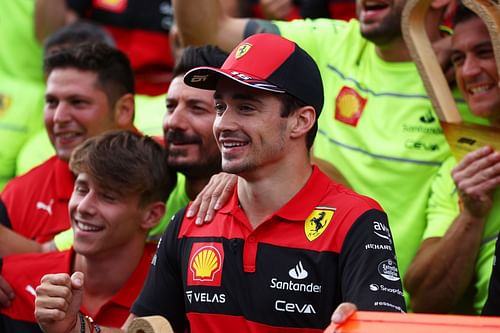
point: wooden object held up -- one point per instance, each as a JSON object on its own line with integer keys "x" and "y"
{"x": 152, "y": 324}
{"x": 463, "y": 138}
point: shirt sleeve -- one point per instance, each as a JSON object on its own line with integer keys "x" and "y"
{"x": 162, "y": 293}
{"x": 442, "y": 207}
{"x": 369, "y": 271}
{"x": 492, "y": 306}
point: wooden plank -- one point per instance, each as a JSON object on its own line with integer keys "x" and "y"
{"x": 415, "y": 35}
{"x": 151, "y": 324}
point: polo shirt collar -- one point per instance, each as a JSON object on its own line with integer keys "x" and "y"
{"x": 300, "y": 206}
{"x": 64, "y": 179}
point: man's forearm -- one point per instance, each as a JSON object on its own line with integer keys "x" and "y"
{"x": 205, "y": 22}
{"x": 444, "y": 267}
{"x": 12, "y": 243}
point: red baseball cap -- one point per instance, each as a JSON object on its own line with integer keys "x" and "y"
{"x": 267, "y": 62}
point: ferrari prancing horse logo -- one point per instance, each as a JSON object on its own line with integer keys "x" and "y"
{"x": 318, "y": 221}
{"x": 242, "y": 50}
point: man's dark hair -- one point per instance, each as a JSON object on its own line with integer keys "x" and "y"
{"x": 126, "y": 162}
{"x": 79, "y": 32}
{"x": 288, "y": 105}
{"x": 463, "y": 14}
{"x": 198, "y": 56}
{"x": 114, "y": 73}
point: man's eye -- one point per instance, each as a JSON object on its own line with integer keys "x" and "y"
{"x": 457, "y": 59}
{"x": 220, "y": 108}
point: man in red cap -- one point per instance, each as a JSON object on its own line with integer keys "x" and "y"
{"x": 290, "y": 245}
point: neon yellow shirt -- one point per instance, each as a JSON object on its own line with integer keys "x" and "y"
{"x": 20, "y": 54}
{"x": 377, "y": 125}
{"x": 21, "y": 115}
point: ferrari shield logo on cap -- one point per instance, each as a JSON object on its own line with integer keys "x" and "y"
{"x": 116, "y": 6}
{"x": 318, "y": 221}
{"x": 242, "y": 50}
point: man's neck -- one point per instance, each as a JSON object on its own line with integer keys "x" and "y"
{"x": 266, "y": 191}
{"x": 396, "y": 51}
{"x": 107, "y": 273}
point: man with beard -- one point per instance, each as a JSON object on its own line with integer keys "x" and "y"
{"x": 187, "y": 126}
{"x": 378, "y": 126}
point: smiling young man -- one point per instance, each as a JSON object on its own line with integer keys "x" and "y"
{"x": 90, "y": 89}
{"x": 121, "y": 185}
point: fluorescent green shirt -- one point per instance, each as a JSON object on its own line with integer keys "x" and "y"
{"x": 21, "y": 115}
{"x": 442, "y": 211}
{"x": 377, "y": 125}
{"x": 20, "y": 54}
{"x": 149, "y": 114}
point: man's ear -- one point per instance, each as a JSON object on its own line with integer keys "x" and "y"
{"x": 302, "y": 121}
{"x": 152, "y": 215}
{"x": 124, "y": 111}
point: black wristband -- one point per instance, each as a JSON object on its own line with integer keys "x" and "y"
{"x": 82, "y": 322}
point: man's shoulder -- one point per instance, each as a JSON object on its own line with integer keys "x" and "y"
{"x": 37, "y": 174}
{"x": 345, "y": 198}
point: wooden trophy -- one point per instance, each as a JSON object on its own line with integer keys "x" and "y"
{"x": 462, "y": 137}
{"x": 152, "y": 324}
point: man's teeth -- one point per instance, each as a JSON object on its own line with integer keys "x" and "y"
{"x": 87, "y": 227}
{"x": 478, "y": 90}
{"x": 233, "y": 144}
{"x": 67, "y": 135}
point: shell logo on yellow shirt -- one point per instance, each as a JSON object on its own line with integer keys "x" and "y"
{"x": 318, "y": 221}
{"x": 242, "y": 50}
{"x": 349, "y": 106}
{"x": 5, "y": 102}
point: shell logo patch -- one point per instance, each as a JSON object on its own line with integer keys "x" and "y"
{"x": 117, "y": 6}
{"x": 242, "y": 50}
{"x": 349, "y": 106}
{"x": 205, "y": 264}
{"x": 318, "y": 221}
{"x": 5, "y": 102}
